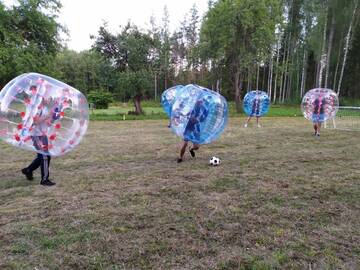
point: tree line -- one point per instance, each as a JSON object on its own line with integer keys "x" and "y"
{"x": 284, "y": 47}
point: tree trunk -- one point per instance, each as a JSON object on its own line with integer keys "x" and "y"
{"x": 281, "y": 85}
{"x": 308, "y": 23}
{"x": 263, "y": 78}
{"x": 276, "y": 74}
{"x": 322, "y": 60}
{"x": 238, "y": 85}
{"x": 289, "y": 86}
{"x": 270, "y": 77}
{"x": 285, "y": 72}
{"x": 337, "y": 64}
{"x": 317, "y": 74}
{"x": 137, "y": 104}
{"x": 257, "y": 75}
{"x": 331, "y": 38}
{"x": 285, "y": 80}
{"x": 284, "y": 86}
{"x": 347, "y": 47}
{"x": 165, "y": 81}
{"x": 303, "y": 74}
{"x": 155, "y": 86}
{"x": 282, "y": 75}
{"x": 289, "y": 73}
{"x": 298, "y": 79}
{"x": 218, "y": 83}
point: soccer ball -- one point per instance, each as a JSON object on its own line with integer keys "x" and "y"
{"x": 214, "y": 161}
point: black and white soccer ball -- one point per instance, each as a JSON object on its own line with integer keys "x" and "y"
{"x": 214, "y": 161}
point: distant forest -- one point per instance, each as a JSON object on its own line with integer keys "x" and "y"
{"x": 284, "y": 47}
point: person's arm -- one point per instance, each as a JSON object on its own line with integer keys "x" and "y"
{"x": 42, "y": 117}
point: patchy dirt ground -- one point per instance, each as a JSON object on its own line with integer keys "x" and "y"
{"x": 280, "y": 199}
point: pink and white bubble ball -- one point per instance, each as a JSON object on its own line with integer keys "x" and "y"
{"x": 320, "y": 104}
{"x": 33, "y": 104}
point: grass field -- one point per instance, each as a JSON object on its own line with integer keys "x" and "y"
{"x": 281, "y": 199}
{"x": 154, "y": 111}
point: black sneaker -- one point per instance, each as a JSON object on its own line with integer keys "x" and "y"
{"x": 179, "y": 160}
{"x": 192, "y": 152}
{"x": 47, "y": 183}
{"x": 28, "y": 174}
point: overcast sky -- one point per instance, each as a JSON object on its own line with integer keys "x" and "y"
{"x": 84, "y": 17}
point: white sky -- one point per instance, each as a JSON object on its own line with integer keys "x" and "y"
{"x": 84, "y": 17}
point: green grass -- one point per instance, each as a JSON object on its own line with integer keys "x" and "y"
{"x": 153, "y": 110}
{"x": 117, "y": 113}
{"x": 280, "y": 199}
{"x": 285, "y": 111}
{"x": 114, "y": 110}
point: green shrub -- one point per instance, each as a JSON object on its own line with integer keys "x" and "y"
{"x": 346, "y": 101}
{"x": 100, "y": 99}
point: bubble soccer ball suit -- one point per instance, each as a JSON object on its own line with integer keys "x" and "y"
{"x": 196, "y": 114}
{"x": 37, "y": 106}
{"x": 168, "y": 98}
{"x": 320, "y": 104}
{"x": 256, "y": 103}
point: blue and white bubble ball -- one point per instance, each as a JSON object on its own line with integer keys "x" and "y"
{"x": 168, "y": 98}
{"x": 197, "y": 114}
{"x": 256, "y": 103}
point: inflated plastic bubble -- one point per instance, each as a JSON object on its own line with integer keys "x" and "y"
{"x": 198, "y": 114}
{"x": 42, "y": 114}
{"x": 168, "y": 98}
{"x": 256, "y": 103}
{"x": 320, "y": 104}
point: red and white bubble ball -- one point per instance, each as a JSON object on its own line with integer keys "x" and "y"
{"x": 34, "y": 105}
{"x": 320, "y": 104}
